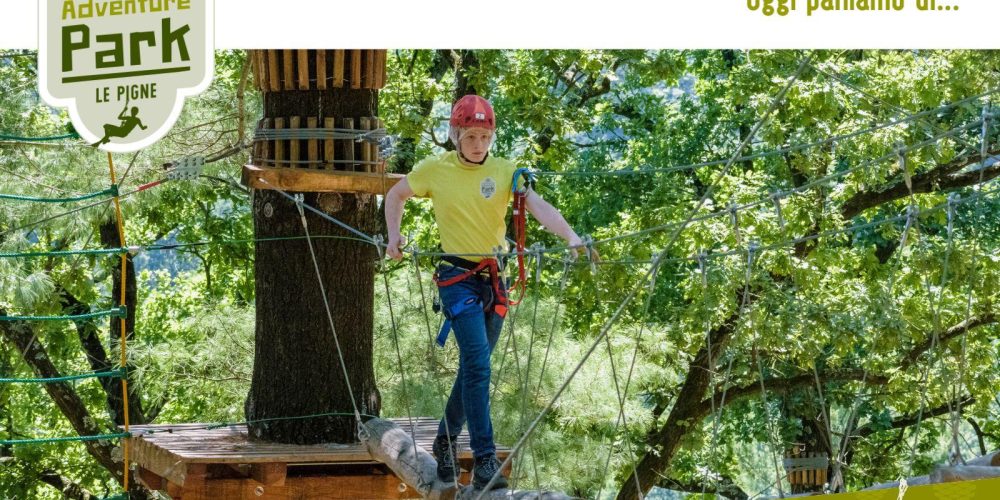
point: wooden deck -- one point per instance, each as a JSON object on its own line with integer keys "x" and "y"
{"x": 191, "y": 462}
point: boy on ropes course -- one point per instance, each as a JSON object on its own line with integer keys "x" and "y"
{"x": 470, "y": 192}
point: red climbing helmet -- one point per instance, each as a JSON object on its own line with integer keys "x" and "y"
{"x": 472, "y": 111}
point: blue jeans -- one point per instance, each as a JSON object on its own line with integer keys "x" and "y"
{"x": 476, "y": 332}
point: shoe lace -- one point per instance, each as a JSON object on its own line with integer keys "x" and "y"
{"x": 489, "y": 466}
{"x": 448, "y": 451}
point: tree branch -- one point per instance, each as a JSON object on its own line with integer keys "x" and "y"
{"x": 938, "y": 178}
{"x": 908, "y": 420}
{"x": 66, "y": 486}
{"x": 788, "y": 384}
{"x": 954, "y": 331}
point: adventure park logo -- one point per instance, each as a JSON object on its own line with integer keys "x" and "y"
{"x": 124, "y": 67}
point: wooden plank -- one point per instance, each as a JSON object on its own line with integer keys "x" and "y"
{"x": 328, "y": 151}
{"x": 295, "y": 145}
{"x": 259, "y": 69}
{"x": 159, "y": 461}
{"x": 355, "y": 69}
{"x": 338, "y": 68}
{"x": 384, "y": 78}
{"x": 303, "y": 56}
{"x": 269, "y": 474}
{"x": 321, "y": 69}
{"x": 279, "y": 145}
{"x": 327, "y": 487}
{"x": 288, "y": 66}
{"x": 380, "y": 167}
{"x": 267, "y": 147}
{"x": 312, "y": 145}
{"x": 321, "y": 181}
{"x": 379, "y": 69}
{"x": 348, "y": 146}
{"x": 174, "y": 490}
{"x": 365, "y": 124}
{"x": 273, "y": 78}
{"x": 369, "y": 78}
{"x": 149, "y": 478}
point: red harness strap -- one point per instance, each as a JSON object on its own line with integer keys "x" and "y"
{"x": 519, "y": 219}
{"x": 500, "y": 303}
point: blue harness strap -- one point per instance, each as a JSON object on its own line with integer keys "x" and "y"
{"x": 453, "y": 312}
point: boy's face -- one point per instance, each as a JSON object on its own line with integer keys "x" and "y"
{"x": 476, "y": 143}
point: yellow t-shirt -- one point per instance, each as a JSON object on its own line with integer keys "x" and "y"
{"x": 470, "y": 202}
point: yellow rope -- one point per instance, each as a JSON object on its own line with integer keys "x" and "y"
{"x": 121, "y": 238}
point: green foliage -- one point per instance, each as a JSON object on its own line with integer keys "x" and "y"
{"x": 840, "y": 303}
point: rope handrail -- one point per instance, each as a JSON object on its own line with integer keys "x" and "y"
{"x": 119, "y": 373}
{"x": 66, "y": 439}
{"x": 118, "y": 312}
{"x": 111, "y": 191}
{"x": 45, "y": 138}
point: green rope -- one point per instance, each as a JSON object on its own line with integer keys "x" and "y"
{"x": 112, "y": 191}
{"x": 154, "y": 248}
{"x": 101, "y": 251}
{"x": 5, "y": 137}
{"x": 98, "y": 437}
{"x": 119, "y": 312}
{"x": 119, "y": 373}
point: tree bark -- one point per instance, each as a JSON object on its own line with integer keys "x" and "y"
{"x": 297, "y": 370}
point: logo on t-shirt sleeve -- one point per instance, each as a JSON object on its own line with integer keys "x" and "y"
{"x": 488, "y": 187}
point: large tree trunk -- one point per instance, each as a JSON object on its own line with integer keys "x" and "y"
{"x": 297, "y": 371}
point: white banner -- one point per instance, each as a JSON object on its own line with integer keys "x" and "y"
{"x": 578, "y": 24}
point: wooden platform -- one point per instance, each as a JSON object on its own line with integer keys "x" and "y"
{"x": 190, "y": 462}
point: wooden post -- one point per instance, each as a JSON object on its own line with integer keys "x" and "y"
{"x": 295, "y": 145}
{"x": 328, "y": 151}
{"x": 273, "y": 78}
{"x": 348, "y": 123}
{"x": 264, "y": 151}
{"x": 321, "y": 69}
{"x": 313, "y": 145}
{"x": 380, "y": 56}
{"x": 369, "y": 69}
{"x": 288, "y": 82}
{"x": 279, "y": 145}
{"x": 365, "y": 149}
{"x": 260, "y": 69}
{"x": 380, "y": 167}
{"x": 303, "y": 69}
{"x": 269, "y": 474}
{"x": 338, "y": 68}
{"x": 355, "y": 69}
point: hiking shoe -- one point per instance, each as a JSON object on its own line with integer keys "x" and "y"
{"x": 486, "y": 467}
{"x": 445, "y": 451}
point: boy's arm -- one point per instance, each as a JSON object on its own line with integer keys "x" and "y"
{"x": 555, "y": 223}
{"x": 394, "y": 201}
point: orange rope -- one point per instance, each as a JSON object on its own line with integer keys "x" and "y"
{"x": 121, "y": 237}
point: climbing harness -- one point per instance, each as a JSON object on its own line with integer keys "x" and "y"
{"x": 487, "y": 272}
